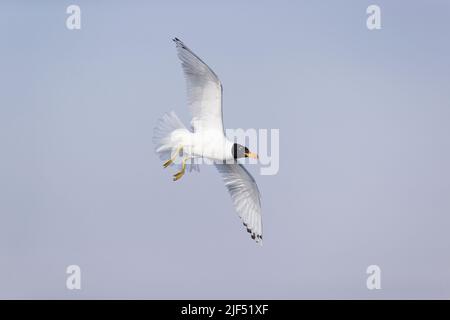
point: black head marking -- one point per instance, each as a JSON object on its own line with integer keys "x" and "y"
{"x": 239, "y": 151}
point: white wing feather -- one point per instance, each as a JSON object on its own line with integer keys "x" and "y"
{"x": 245, "y": 195}
{"x": 204, "y": 91}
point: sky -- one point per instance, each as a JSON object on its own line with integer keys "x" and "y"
{"x": 363, "y": 119}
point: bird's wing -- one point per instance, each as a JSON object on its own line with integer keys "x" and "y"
{"x": 204, "y": 91}
{"x": 245, "y": 195}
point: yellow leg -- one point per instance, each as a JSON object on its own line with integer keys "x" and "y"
{"x": 170, "y": 161}
{"x": 178, "y": 175}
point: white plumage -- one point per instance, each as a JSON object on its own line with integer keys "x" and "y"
{"x": 207, "y": 140}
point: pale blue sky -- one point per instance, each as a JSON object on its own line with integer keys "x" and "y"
{"x": 364, "y": 150}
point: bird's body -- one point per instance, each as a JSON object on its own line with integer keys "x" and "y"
{"x": 212, "y": 145}
{"x": 207, "y": 140}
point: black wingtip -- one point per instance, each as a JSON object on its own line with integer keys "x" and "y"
{"x": 254, "y": 236}
{"x": 179, "y": 43}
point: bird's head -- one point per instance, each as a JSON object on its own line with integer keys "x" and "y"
{"x": 239, "y": 151}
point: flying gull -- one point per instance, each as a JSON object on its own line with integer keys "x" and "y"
{"x": 180, "y": 146}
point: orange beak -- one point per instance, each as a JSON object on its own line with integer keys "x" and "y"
{"x": 252, "y": 155}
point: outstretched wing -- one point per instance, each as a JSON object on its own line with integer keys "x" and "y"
{"x": 245, "y": 195}
{"x": 204, "y": 90}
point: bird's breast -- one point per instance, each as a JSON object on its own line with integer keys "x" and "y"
{"x": 211, "y": 145}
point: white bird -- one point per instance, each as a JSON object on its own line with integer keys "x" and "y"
{"x": 207, "y": 140}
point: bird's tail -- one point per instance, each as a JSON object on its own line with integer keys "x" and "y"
{"x": 165, "y": 140}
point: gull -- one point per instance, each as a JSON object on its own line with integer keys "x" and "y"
{"x": 206, "y": 139}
